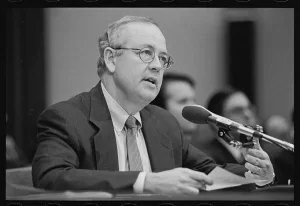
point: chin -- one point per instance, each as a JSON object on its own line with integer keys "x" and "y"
{"x": 148, "y": 96}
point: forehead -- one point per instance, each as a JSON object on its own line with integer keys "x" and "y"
{"x": 144, "y": 34}
{"x": 179, "y": 89}
{"x": 237, "y": 99}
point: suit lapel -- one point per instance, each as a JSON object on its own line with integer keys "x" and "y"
{"x": 159, "y": 146}
{"x": 106, "y": 148}
{"x": 104, "y": 141}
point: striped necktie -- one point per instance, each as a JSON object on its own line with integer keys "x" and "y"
{"x": 133, "y": 154}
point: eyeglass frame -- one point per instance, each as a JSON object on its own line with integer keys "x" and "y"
{"x": 170, "y": 60}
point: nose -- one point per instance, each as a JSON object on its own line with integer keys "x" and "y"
{"x": 247, "y": 113}
{"x": 249, "y": 116}
{"x": 155, "y": 64}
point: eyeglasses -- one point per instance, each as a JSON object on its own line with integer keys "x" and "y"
{"x": 147, "y": 55}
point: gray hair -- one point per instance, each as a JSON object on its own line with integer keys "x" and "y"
{"x": 112, "y": 34}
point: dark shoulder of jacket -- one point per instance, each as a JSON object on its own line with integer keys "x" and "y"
{"x": 80, "y": 102}
{"x": 158, "y": 112}
{"x": 162, "y": 116}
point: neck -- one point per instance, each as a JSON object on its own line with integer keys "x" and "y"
{"x": 129, "y": 105}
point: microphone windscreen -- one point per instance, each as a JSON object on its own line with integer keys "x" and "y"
{"x": 196, "y": 114}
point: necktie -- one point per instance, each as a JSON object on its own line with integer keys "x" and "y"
{"x": 133, "y": 154}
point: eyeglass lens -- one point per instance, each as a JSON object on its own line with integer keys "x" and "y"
{"x": 147, "y": 55}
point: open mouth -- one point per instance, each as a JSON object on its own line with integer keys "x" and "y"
{"x": 151, "y": 80}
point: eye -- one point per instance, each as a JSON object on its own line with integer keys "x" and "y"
{"x": 147, "y": 52}
{"x": 163, "y": 59}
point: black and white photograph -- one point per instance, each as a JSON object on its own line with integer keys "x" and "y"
{"x": 133, "y": 104}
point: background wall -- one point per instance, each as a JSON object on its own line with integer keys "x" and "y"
{"x": 195, "y": 39}
{"x": 275, "y": 67}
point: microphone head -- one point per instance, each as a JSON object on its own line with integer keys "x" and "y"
{"x": 196, "y": 114}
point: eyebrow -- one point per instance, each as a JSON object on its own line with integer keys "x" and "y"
{"x": 150, "y": 46}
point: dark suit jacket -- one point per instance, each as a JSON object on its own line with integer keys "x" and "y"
{"x": 215, "y": 149}
{"x": 76, "y": 146}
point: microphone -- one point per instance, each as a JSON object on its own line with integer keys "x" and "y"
{"x": 200, "y": 115}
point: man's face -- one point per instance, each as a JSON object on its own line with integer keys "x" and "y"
{"x": 131, "y": 73}
{"x": 178, "y": 95}
{"x": 238, "y": 108}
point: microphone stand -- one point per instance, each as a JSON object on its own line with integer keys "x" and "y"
{"x": 224, "y": 134}
{"x": 280, "y": 143}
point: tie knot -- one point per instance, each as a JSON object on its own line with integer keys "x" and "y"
{"x": 131, "y": 122}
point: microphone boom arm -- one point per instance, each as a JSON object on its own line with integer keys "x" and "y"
{"x": 200, "y": 115}
{"x": 224, "y": 134}
{"x": 285, "y": 145}
{"x": 250, "y": 132}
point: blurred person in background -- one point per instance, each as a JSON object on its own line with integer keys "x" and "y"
{"x": 177, "y": 91}
{"x": 283, "y": 161}
{"x": 277, "y": 126}
{"x": 232, "y": 104}
{"x": 14, "y": 155}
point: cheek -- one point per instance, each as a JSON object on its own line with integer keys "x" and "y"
{"x": 129, "y": 77}
{"x": 129, "y": 68}
{"x": 159, "y": 82}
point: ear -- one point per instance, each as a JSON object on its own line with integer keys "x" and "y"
{"x": 109, "y": 59}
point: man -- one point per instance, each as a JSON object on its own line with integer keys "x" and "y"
{"x": 177, "y": 91}
{"x": 111, "y": 139}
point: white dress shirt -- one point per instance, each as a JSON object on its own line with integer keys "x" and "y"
{"x": 119, "y": 117}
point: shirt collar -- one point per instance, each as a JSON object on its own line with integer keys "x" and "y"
{"x": 118, "y": 114}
